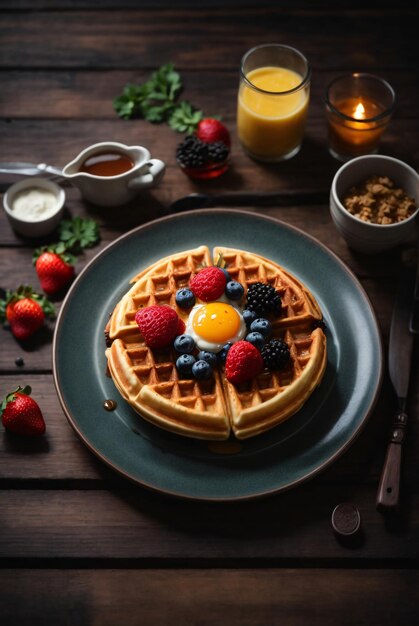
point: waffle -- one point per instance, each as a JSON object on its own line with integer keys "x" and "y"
{"x": 148, "y": 379}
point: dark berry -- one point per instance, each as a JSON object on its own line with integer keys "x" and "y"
{"x": 264, "y": 300}
{"x": 202, "y": 370}
{"x": 234, "y": 290}
{"x": 19, "y": 361}
{"x": 184, "y": 364}
{"x": 217, "y": 152}
{"x": 222, "y": 354}
{"x": 184, "y": 344}
{"x": 276, "y": 354}
{"x": 262, "y": 326}
{"x": 227, "y": 275}
{"x": 249, "y": 317}
{"x": 257, "y": 339}
{"x": 192, "y": 152}
{"x": 210, "y": 357}
{"x": 185, "y": 298}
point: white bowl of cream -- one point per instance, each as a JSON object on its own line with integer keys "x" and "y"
{"x": 34, "y": 206}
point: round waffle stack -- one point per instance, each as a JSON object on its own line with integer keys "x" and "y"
{"x": 212, "y": 409}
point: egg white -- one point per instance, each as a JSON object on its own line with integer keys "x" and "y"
{"x": 211, "y": 346}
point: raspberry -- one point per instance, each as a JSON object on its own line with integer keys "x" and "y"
{"x": 243, "y": 362}
{"x": 159, "y": 325}
{"x": 209, "y": 283}
{"x": 181, "y": 327}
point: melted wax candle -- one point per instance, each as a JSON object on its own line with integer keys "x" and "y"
{"x": 356, "y": 131}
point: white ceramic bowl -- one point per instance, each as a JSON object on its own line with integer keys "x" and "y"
{"x": 41, "y": 227}
{"x": 364, "y": 236}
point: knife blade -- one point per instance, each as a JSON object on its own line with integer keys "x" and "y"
{"x": 399, "y": 359}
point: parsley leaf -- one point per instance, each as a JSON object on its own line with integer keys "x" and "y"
{"x": 78, "y": 233}
{"x": 156, "y": 101}
{"x": 184, "y": 118}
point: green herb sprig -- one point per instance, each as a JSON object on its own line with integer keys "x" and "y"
{"x": 74, "y": 236}
{"x": 156, "y": 100}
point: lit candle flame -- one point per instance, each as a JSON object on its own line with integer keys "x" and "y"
{"x": 359, "y": 112}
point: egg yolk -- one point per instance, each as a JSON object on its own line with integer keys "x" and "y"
{"x": 216, "y": 322}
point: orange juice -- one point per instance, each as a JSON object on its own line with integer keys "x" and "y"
{"x": 271, "y": 125}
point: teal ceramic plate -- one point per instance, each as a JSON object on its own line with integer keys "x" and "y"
{"x": 274, "y": 461}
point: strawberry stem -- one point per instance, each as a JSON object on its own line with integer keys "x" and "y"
{"x": 12, "y": 396}
{"x": 25, "y": 291}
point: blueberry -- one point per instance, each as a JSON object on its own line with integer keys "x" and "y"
{"x": 234, "y": 290}
{"x": 262, "y": 326}
{"x": 184, "y": 365}
{"x": 222, "y": 354}
{"x": 249, "y": 317}
{"x": 210, "y": 357}
{"x": 184, "y": 344}
{"x": 226, "y": 274}
{"x": 185, "y": 298}
{"x": 202, "y": 370}
{"x": 257, "y": 339}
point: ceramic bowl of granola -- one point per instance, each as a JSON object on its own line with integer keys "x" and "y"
{"x": 374, "y": 203}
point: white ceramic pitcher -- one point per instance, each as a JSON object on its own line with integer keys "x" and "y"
{"x": 119, "y": 189}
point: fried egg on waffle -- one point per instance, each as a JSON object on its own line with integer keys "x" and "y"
{"x": 212, "y": 409}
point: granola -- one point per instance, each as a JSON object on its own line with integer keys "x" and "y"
{"x": 379, "y": 201}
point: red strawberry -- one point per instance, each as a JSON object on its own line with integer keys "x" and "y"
{"x": 21, "y": 414}
{"x": 53, "y": 271}
{"x": 210, "y": 131}
{"x": 209, "y": 283}
{"x": 244, "y": 361}
{"x": 158, "y": 324}
{"x": 25, "y": 311}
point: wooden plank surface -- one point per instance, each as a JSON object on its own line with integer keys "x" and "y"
{"x": 203, "y": 597}
{"x": 200, "y": 39}
{"x": 131, "y": 524}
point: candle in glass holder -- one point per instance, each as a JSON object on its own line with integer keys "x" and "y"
{"x": 358, "y": 109}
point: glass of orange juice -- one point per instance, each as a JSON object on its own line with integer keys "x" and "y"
{"x": 273, "y": 100}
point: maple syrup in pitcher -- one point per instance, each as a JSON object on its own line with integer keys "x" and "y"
{"x": 107, "y": 164}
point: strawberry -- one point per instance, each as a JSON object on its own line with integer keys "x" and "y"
{"x": 210, "y": 130}
{"x": 54, "y": 272}
{"x": 25, "y": 311}
{"x": 20, "y": 414}
{"x": 244, "y": 362}
{"x": 159, "y": 324}
{"x": 209, "y": 283}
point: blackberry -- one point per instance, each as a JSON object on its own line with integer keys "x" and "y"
{"x": 263, "y": 299}
{"x": 192, "y": 152}
{"x": 217, "y": 152}
{"x": 276, "y": 354}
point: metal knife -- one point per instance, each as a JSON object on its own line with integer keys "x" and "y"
{"x": 250, "y": 198}
{"x": 399, "y": 358}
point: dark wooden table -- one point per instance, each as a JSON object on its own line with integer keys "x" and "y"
{"x": 78, "y": 544}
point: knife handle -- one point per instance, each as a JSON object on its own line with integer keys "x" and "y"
{"x": 388, "y": 494}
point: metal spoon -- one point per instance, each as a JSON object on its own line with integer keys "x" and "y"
{"x": 29, "y": 169}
